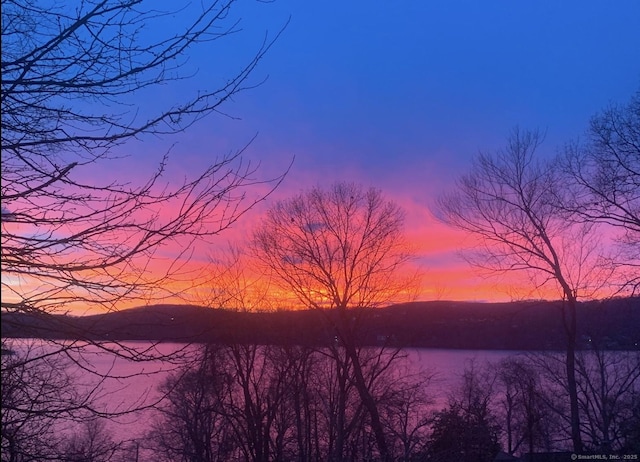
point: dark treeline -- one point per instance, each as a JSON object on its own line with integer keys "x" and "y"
{"x": 530, "y": 325}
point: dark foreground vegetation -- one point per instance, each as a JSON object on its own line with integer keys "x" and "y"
{"x": 248, "y": 402}
{"x": 528, "y": 325}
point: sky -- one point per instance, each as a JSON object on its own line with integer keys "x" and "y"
{"x": 401, "y": 95}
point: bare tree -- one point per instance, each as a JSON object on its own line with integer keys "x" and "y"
{"x": 609, "y": 381}
{"x": 191, "y": 423}
{"x": 509, "y": 202}
{"x": 44, "y": 415}
{"x": 74, "y": 76}
{"x": 31, "y": 402}
{"x": 68, "y": 75}
{"x": 240, "y": 402}
{"x": 405, "y": 416}
{"x": 339, "y": 250}
{"x": 93, "y": 442}
{"x": 603, "y": 178}
{"x": 525, "y": 416}
{"x": 232, "y": 283}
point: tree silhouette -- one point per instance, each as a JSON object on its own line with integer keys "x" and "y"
{"x": 339, "y": 250}
{"x": 603, "y": 180}
{"x": 74, "y": 78}
{"x": 510, "y": 203}
{"x": 67, "y": 79}
{"x": 466, "y": 429}
{"x": 526, "y": 417}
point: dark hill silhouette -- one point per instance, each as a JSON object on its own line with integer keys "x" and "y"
{"x": 613, "y": 324}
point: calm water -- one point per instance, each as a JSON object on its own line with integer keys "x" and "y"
{"x": 134, "y": 384}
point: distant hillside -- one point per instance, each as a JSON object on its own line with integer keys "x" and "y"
{"x": 614, "y": 324}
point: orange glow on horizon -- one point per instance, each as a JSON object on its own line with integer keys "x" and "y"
{"x": 445, "y": 275}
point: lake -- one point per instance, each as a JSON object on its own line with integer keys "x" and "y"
{"x": 120, "y": 385}
{"x": 136, "y": 383}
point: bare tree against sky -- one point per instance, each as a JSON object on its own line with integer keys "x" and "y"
{"x": 76, "y": 235}
{"x": 509, "y": 203}
{"x": 231, "y": 282}
{"x": 603, "y": 179}
{"x": 338, "y": 249}
{"x": 69, "y": 77}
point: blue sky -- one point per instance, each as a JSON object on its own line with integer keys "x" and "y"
{"x": 401, "y": 95}
{"x": 381, "y": 89}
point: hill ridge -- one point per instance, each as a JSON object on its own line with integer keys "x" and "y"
{"x": 521, "y": 325}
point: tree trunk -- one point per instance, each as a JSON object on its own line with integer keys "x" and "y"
{"x": 348, "y": 338}
{"x": 570, "y": 362}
